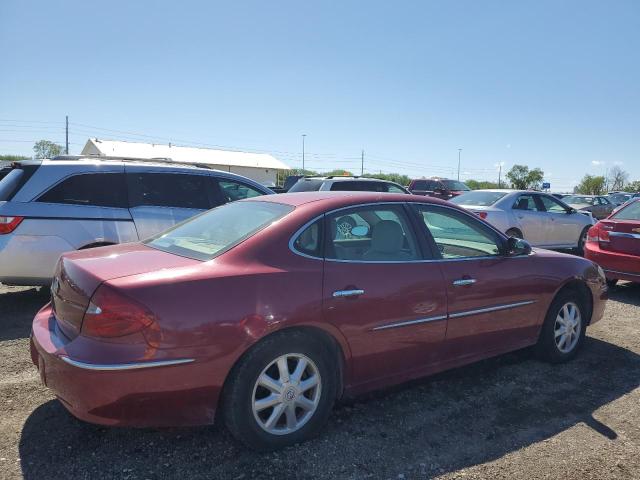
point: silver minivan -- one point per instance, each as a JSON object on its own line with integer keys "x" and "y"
{"x": 48, "y": 207}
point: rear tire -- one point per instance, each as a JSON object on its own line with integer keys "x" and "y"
{"x": 514, "y": 232}
{"x": 564, "y": 328}
{"x": 266, "y": 408}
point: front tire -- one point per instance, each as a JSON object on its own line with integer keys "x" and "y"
{"x": 564, "y": 328}
{"x": 281, "y": 392}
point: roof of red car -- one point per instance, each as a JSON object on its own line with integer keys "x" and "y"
{"x": 343, "y": 198}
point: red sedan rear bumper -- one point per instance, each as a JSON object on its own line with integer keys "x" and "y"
{"x": 171, "y": 393}
{"x": 616, "y": 265}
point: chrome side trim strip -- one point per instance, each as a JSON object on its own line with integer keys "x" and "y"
{"x": 125, "y": 366}
{"x": 490, "y": 309}
{"x": 622, "y": 273}
{"x": 411, "y": 322}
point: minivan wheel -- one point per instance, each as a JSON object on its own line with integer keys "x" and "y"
{"x": 514, "y": 232}
{"x": 281, "y": 392}
{"x": 564, "y": 328}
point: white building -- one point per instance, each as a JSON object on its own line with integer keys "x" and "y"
{"x": 261, "y": 167}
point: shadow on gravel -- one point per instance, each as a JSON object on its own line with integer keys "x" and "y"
{"x": 17, "y": 309}
{"x": 457, "y": 419}
{"x": 626, "y": 292}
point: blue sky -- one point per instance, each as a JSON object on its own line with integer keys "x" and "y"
{"x": 551, "y": 84}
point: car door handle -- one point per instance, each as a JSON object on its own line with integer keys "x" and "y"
{"x": 347, "y": 293}
{"x": 464, "y": 281}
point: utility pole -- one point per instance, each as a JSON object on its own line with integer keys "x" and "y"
{"x": 459, "y": 150}
{"x": 303, "y": 135}
{"x": 500, "y": 175}
{"x": 66, "y": 150}
{"x": 362, "y": 164}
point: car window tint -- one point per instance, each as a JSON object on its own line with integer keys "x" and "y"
{"x": 359, "y": 186}
{"x": 552, "y": 205}
{"x": 232, "y": 190}
{"x": 424, "y": 185}
{"x": 95, "y": 189}
{"x": 306, "y": 185}
{"x": 457, "y": 235}
{"x": 309, "y": 241}
{"x": 371, "y": 234}
{"x": 525, "y": 202}
{"x": 391, "y": 188}
{"x": 169, "y": 190}
{"x": 629, "y": 212}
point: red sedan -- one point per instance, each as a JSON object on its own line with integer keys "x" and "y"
{"x": 614, "y": 244}
{"x": 262, "y": 313}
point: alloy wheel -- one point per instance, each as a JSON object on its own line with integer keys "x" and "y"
{"x": 286, "y": 394}
{"x": 568, "y": 327}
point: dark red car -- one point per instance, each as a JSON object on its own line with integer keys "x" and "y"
{"x": 437, "y": 187}
{"x": 262, "y": 313}
{"x": 614, "y": 244}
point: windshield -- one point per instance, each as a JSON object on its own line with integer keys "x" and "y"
{"x": 478, "y": 198}
{"x": 454, "y": 185}
{"x": 630, "y": 212}
{"x": 216, "y": 231}
{"x": 578, "y": 200}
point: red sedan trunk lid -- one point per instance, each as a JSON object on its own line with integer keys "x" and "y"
{"x": 78, "y": 275}
{"x": 624, "y": 235}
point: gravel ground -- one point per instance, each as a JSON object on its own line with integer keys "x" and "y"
{"x": 511, "y": 417}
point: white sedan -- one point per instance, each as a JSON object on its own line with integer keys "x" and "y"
{"x": 541, "y": 219}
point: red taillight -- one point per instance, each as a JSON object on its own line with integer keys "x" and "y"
{"x": 113, "y": 314}
{"x": 598, "y": 235}
{"x": 9, "y": 224}
{"x": 482, "y": 215}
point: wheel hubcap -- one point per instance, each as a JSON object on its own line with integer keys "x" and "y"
{"x": 286, "y": 394}
{"x": 567, "y": 327}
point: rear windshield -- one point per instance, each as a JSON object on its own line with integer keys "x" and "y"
{"x": 478, "y": 199}
{"x": 306, "y": 185}
{"x": 216, "y": 231}
{"x": 454, "y": 185}
{"x": 9, "y": 183}
{"x": 630, "y": 212}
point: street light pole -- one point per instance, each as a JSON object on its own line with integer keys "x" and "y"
{"x": 303, "y": 135}
{"x": 459, "y": 150}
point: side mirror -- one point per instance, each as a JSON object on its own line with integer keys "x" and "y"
{"x": 517, "y": 246}
{"x": 571, "y": 210}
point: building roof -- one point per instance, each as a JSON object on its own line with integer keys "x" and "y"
{"x": 95, "y": 146}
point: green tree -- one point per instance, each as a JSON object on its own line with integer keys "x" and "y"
{"x": 591, "y": 185}
{"x": 632, "y": 187}
{"x": 46, "y": 149}
{"x": 13, "y": 158}
{"x": 398, "y": 178}
{"x": 522, "y": 178}
{"x": 480, "y": 184}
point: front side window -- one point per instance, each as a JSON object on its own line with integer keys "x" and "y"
{"x": 552, "y": 205}
{"x": 169, "y": 190}
{"x": 91, "y": 189}
{"x": 376, "y": 233}
{"x": 428, "y": 185}
{"x": 391, "y": 188}
{"x": 526, "y": 202}
{"x": 216, "y": 231}
{"x": 232, "y": 191}
{"x": 457, "y": 235}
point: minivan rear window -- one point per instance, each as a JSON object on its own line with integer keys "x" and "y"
{"x": 214, "y": 232}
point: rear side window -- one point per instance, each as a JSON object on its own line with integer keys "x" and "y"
{"x": 232, "y": 191}
{"x": 9, "y": 183}
{"x": 309, "y": 242}
{"x": 526, "y": 202}
{"x": 170, "y": 190}
{"x": 359, "y": 186}
{"x": 95, "y": 189}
